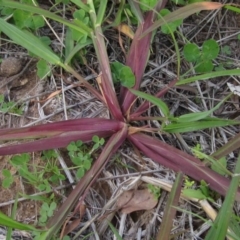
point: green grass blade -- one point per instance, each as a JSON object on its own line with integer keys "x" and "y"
{"x": 114, "y": 230}
{"x": 101, "y": 11}
{"x": 191, "y": 117}
{"x": 170, "y": 210}
{"x": 83, "y": 28}
{"x": 29, "y": 41}
{"x": 14, "y": 210}
{"x": 136, "y": 10}
{"x": 70, "y": 54}
{"x": 154, "y": 100}
{"x": 206, "y": 76}
{"x": 80, "y": 4}
{"x": 8, "y": 222}
{"x": 220, "y": 226}
{"x": 232, "y": 145}
{"x": 232, "y": 8}
{"x": 118, "y": 17}
{"x": 182, "y": 127}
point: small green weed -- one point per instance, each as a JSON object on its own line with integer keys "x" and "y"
{"x": 46, "y": 211}
{"x": 202, "y": 59}
{"x": 9, "y": 106}
{"x": 219, "y": 166}
{"x": 122, "y": 74}
{"x": 35, "y": 176}
{"x": 202, "y": 192}
{"x": 8, "y": 178}
{"x": 156, "y": 191}
{"x": 80, "y": 154}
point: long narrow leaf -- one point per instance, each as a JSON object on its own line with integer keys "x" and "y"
{"x": 170, "y": 210}
{"x": 61, "y": 127}
{"x": 182, "y": 13}
{"x": 234, "y": 72}
{"x": 136, "y": 59}
{"x": 182, "y": 127}
{"x": 29, "y": 41}
{"x": 191, "y": 117}
{"x": 178, "y": 160}
{"x": 232, "y": 145}
{"x": 81, "y": 27}
{"x": 154, "y": 100}
{"x": 145, "y": 105}
{"x": 220, "y": 226}
{"x": 61, "y": 134}
{"x": 8, "y": 222}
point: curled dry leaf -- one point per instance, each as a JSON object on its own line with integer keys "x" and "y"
{"x": 136, "y": 200}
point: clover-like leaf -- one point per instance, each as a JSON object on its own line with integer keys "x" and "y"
{"x": 210, "y": 50}
{"x": 191, "y": 52}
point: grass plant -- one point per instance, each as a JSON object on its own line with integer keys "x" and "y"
{"x": 125, "y": 123}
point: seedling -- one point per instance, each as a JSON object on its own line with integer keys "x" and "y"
{"x": 8, "y": 178}
{"x": 202, "y": 192}
{"x": 9, "y": 106}
{"x": 122, "y": 74}
{"x": 156, "y": 191}
{"x": 46, "y": 211}
{"x": 80, "y": 154}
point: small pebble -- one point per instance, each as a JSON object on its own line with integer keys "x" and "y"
{"x": 10, "y": 66}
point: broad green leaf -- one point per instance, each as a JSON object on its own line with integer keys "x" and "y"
{"x": 194, "y": 193}
{"x": 198, "y": 125}
{"x": 172, "y": 26}
{"x": 7, "y": 182}
{"x": 87, "y": 164}
{"x": 210, "y": 50}
{"x": 147, "y": 5}
{"x": 80, "y": 172}
{"x": 6, "y": 173}
{"x": 235, "y": 72}
{"x": 29, "y": 41}
{"x": 204, "y": 67}
{"x": 126, "y": 77}
{"x": 221, "y": 223}
{"x": 122, "y": 74}
{"x": 191, "y": 52}
{"x": 8, "y": 222}
{"x": 20, "y": 18}
{"x": 6, "y": 11}
{"x": 20, "y": 159}
{"x": 43, "y": 69}
{"x": 37, "y": 22}
{"x": 154, "y": 100}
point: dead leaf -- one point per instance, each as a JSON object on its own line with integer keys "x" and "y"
{"x": 125, "y": 29}
{"x": 70, "y": 226}
{"x": 136, "y": 200}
